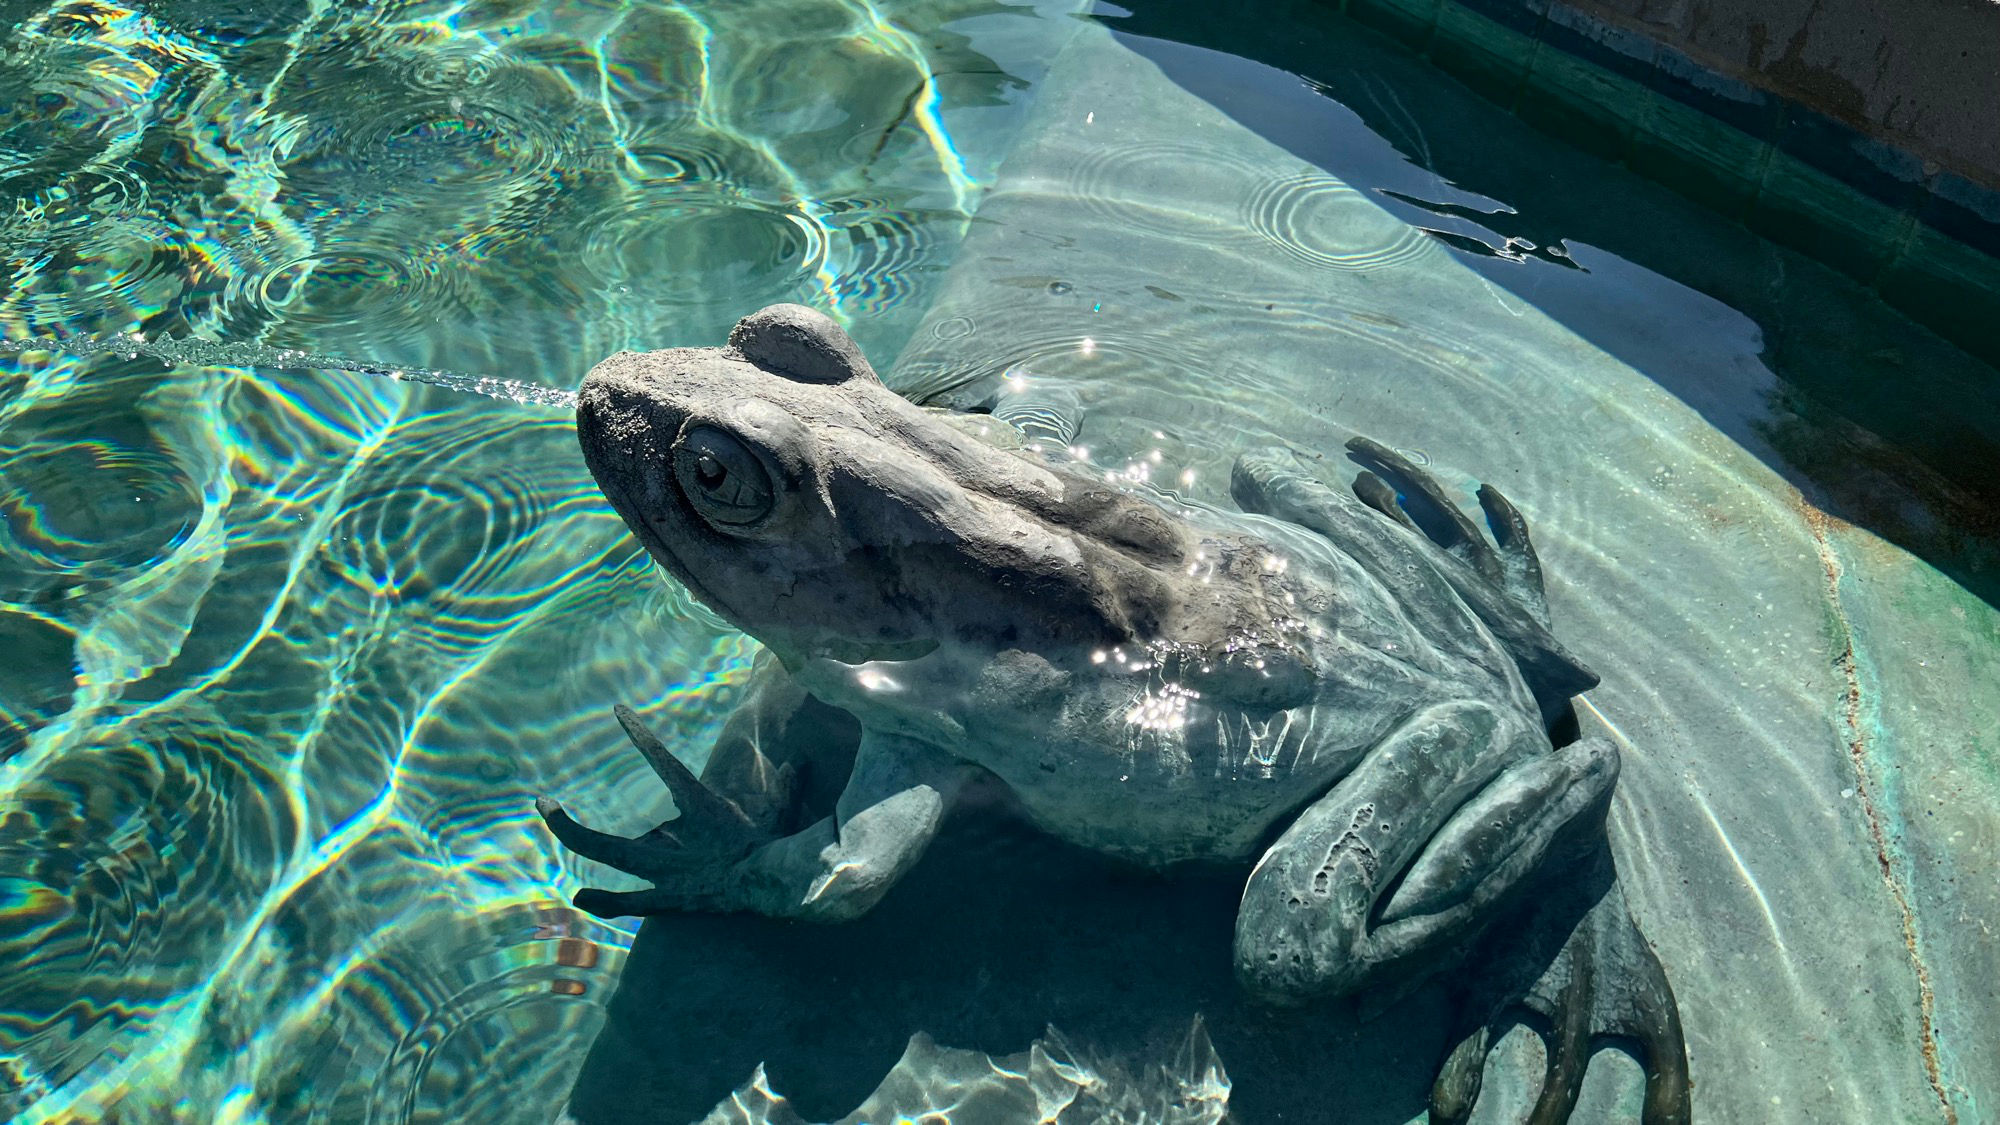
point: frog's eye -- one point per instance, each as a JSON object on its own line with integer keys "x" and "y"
{"x": 722, "y": 478}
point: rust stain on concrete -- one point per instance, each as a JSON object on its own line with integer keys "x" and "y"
{"x": 1819, "y": 524}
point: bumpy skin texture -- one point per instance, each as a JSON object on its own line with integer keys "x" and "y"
{"x": 1352, "y": 691}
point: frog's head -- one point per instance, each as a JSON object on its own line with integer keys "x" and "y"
{"x": 796, "y": 495}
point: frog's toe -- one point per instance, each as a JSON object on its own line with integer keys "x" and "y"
{"x": 1376, "y": 493}
{"x": 1603, "y": 987}
{"x": 701, "y": 807}
{"x": 1409, "y": 495}
{"x": 687, "y": 874}
{"x": 687, "y": 858}
{"x": 654, "y": 854}
{"x": 1433, "y": 513}
{"x": 1518, "y": 560}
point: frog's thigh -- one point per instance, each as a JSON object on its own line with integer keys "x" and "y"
{"x": 1309, "y": 923}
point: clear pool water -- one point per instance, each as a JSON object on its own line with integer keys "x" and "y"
{"x": 290, "y": 651}
{"x": 291, "y": 646}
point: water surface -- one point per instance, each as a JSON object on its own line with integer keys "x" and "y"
{"x": 293, "y": 646}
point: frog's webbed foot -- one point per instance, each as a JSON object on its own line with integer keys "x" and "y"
{"x": 1500, "y": 579}
{"x": 718, "y": 857}
{"x": 688, "y": 859}
{"x": 1584, "y": 967}
{"x": 1412, "y": 498}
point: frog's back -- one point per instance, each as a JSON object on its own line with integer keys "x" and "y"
{"x": 1177, "y": 751}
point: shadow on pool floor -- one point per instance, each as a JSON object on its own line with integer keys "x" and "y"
{"x": 1000, "y": 934}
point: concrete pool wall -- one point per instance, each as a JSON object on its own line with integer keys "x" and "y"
{"x": 1859, "y": 133}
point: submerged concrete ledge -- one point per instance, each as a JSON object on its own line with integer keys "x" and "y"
{"x": 1859, "y": 133}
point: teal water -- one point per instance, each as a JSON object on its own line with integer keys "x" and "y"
{"x": 306, "y": 594}
{"x": 292, "y": 647}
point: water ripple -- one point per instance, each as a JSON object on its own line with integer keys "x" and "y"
{"x": 1137, "y": 184}
{"x": 399, "y": 295}
{"x": 42, "y": 649}
{"x": 107, "y": 274}
{"x": 58, "y": 536}
{"x": 145, "y": 854}
{"x": 1323, "y": 222}
{"x": 968, "y": 367}
{"x": 397, "y": 143}
{"x": 449, "y": 70}
{"x": 447, "y": 528}
{"x": 676, "y": 245}
{"x": 683, "y": 162}
{"x": 888, "y": 253}
{"x": 80, "y": 100}
{"x": 86, "y": 196}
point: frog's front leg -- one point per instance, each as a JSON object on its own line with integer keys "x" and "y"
{"x": 1408, "y": 855}
{"x": 841, "y": 866}
{"x": 714, "y": 857}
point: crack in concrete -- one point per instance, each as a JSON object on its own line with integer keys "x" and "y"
{"x": 1818, "y": 522}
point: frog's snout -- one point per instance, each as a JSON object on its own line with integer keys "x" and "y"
{"x": 620, "y": 410}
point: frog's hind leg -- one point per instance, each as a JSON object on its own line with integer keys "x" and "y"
{"x": 1401, "y": 865}
{"x": 1576, "y": 959}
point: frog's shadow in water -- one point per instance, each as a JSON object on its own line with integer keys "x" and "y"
{"x": 998, "y": 934}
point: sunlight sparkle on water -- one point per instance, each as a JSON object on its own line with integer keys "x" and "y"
{"x": 1163, "y": 710}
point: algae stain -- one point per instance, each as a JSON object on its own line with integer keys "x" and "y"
{"x": 1862, "y": 734}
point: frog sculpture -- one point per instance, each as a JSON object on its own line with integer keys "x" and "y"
{"x": 1351, "y": 696}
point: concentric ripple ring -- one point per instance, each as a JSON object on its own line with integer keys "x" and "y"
{"x": 1164, "y": 187}
{"x": 1324, "y": 222}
